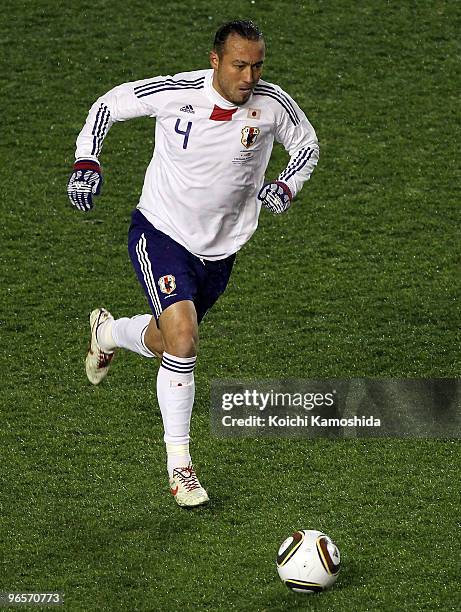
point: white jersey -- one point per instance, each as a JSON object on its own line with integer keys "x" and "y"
{"x": 210, "y": 156}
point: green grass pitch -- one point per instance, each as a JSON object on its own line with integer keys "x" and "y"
{"x": 360, "y": 278}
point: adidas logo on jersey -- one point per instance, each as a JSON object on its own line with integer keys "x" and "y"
{"x": 187, "y": 109}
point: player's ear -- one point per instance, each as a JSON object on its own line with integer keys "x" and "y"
{"x": 214, "y": 59}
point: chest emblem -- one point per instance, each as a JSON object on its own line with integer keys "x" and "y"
{"x": 249, "y": 136}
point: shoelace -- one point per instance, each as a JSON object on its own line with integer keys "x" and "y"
{"x": 187, "y": 477}
{"x": 104, "y": 359}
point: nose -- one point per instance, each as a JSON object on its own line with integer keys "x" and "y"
{"x": 248, "y": 75}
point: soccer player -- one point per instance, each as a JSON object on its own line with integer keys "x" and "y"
{"x": 202, "y": 195}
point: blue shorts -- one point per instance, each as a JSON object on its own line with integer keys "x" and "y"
{"x": 169, "y": 273}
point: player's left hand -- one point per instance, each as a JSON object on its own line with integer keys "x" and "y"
{"x": 276, "y": 197}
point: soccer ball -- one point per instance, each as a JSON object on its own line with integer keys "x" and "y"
{"x": 308, "y": 561}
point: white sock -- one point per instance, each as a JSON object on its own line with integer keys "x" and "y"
{"x": 125, "y": 333}
{"x": 175, "y": 394}
{"x": 178, "y": 456}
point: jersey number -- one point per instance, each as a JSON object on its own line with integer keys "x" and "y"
{"x": 184, "y": 133}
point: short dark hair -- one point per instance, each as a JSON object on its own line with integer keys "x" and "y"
{"x": 245, "y": 29}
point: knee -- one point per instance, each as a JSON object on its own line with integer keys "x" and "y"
{"x": 179, "y": 328}
{"x": 183, "y": 341}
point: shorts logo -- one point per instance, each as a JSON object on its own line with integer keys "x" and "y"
{"x": 167, "y": 283}
{"x": 249, "y": 136}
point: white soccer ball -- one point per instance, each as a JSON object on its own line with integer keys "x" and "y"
{"x": 308, "y": 561}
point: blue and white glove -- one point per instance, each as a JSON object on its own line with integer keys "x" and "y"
{"x": 84, "y": 182}
{"x": 276, "y": 197}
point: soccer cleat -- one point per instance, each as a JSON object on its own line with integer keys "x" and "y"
{"x": 186, "y": 488}
{"x": 97, "y": 361}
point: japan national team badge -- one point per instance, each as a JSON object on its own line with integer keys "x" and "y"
{"x": 249, "y": 136}
{"x": 167, "y": 283}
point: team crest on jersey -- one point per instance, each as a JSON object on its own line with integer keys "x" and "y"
{"x": 249, "y": 136}
{"x": 167, "y": 283}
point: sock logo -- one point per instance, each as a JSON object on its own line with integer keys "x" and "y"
{"x": 167, "y": 283}
{"x": 176, "y": 383}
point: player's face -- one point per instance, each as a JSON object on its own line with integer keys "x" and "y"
{"x": 238, "y": 70}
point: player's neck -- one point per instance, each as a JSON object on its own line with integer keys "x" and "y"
{"x": 221, "y": 100}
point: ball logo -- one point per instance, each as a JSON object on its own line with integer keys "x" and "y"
{"x": 167, "y": 283}
{"x": 249, "y": 136}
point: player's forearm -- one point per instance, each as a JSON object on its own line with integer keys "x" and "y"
{"x": 97, "y": 124}
{"x": 300, "y": 167}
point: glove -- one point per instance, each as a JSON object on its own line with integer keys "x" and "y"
{"x": 84, "y": 182}
{"x": 276, "y": 197}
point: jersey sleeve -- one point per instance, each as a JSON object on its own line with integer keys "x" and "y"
{"x": 121, "y": 103}
{"x": 296, "y": 134}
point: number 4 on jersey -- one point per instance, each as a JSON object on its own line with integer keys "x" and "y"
{"x": 184, "y": 133}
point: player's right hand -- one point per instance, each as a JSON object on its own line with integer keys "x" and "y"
{"x": 84, "y": 182}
